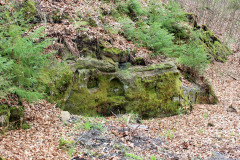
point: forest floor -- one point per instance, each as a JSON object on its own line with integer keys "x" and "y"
{"x": 208, "y": 132}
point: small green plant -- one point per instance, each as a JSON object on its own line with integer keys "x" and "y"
{"x": 98, "y": 126}
{"x": 181, "y": 110}
{"x": 153, "y": 158}
{"x": 168, "y": 134}
{"x": 133, "y": 156}
{"x": 87, "y": 125}
{"x": 71, "y": 151}
{"x": 205, "y": 115}
{"x": 201, "y": 131}
{"x": 65, "y": 144}
{"x": 26, "y": 126}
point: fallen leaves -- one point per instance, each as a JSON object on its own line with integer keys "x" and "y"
{"x": 39, "y": 142}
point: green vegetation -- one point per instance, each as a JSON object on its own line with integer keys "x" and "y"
{"x": 25, "y": 70}
{"x": 162, "y": 28}
{"x": 205, "y": 115}
{"x": 71, "y": 151}
{"x": 96, "y": 92}
{"x": 169, "y": 134}
{"x": 20, "y": 57}
{"x": 87, "y": 125}
{"x": 65, "y": 144}
{"x": 133, "y": 156}
{"x": 29, "y": 10}
{"x": 26, "y": 126}
{"x": 22, "y": 62}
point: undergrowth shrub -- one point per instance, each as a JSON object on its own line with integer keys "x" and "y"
{"x": 162, "y": 31}
{"x": 132, "y": 8}
{"x": 21, "y": 58}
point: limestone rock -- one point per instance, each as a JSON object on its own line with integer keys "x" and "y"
{"x": 65, "y": 116}
{"x": 138, "y": 126}
{"x": 191, "y": 93}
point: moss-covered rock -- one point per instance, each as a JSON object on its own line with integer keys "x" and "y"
{"x": 207, "y": 95}
{"x": 116, "y": 54}
{"x": 92, "y": 63}
{"x": 4, "y": 115}
{"x": 148, "y": 90}
{"x": 29, "y": 10}
{"x": 58, "y": 80}
{"x": 11, "y": 117}
{"x": 217, "y": 50}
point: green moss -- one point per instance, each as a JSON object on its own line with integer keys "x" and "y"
{"x": 16, "y": 117}
{"x": 217, "y": 51}
{"x": 154, "y": 95}
{"x": 114, "y": 51}
{"x": 91, "y": 22}
{"x": 26, "y": 126}
{"x": 115, "y": 54}
{"x": 58, "y": 81}
{"x": 4, "y": 115}
{"x": 153, "y": 67}
{"x": 92, "y": 101}
{"x": 12, "y": 117}
{"x": 106, "y": 1}
{"x": 65, "y": 144}
{"x": 29, "y": 10}
{"x": 95, "y": 92}
{"x": 80, "y": 24}
{"x": 92, "y": 63}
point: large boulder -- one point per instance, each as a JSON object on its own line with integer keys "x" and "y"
{"x": 100, "y": 88}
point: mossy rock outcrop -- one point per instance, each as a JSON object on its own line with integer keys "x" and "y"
{"x": 217, "y": 50}
{"x": 116, "y": 54}
{"x": 92, "y": 63}
{"x": 147, "y": 90}
{"x": 11, "y": 117}
{"x": 58, "y": 79}
{"x": 29, "y": 10}
{"x": 98, "y": 48}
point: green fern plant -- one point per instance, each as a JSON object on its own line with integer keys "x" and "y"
{"x": 21, "y": 58}
{"x": 161, "y": 31}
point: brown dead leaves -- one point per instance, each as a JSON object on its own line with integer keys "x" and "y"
{"x": 39, "y": 142}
